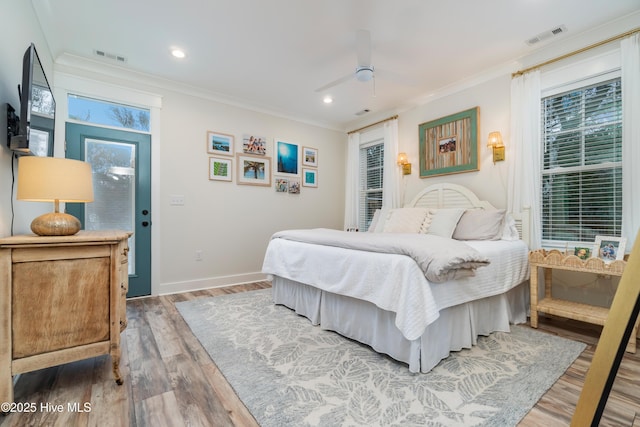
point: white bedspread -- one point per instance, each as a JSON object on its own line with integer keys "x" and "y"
{"x": 395, "y": 282}
{"x": 439, "y": 258}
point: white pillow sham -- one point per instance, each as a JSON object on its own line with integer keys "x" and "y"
{"x": 405, "y": 220}
{"x": 509, "y": 229}
{"x": 480, "y": 224}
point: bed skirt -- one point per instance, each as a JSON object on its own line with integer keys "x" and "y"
{"x": 457, "y": 327}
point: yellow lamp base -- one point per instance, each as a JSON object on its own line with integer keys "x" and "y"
{"x": 55, "y": 224}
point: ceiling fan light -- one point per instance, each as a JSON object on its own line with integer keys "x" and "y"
{"x": 364, "y": 74}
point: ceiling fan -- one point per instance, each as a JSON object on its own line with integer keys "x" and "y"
{"x": 364, "y": 70}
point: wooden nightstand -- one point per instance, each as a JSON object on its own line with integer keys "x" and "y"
{"x": 554, "y": 259}
{"x": 62, "y": 299}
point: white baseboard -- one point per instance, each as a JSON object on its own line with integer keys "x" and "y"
{"x": 210, "y": 282}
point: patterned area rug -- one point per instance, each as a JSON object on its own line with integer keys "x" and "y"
{"x": 290, "y": 373}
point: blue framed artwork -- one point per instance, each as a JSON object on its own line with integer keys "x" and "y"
{"x": 220, "y": 143}
{"x": 310, "y": 177}
{"x": 287, "y": 155}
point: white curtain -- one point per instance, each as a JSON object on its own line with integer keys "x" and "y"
{"x": 352, "y": 189}
{"x": 630, "y": 51}
{"x": 392, "y": 178}
{"x": 524, "y": 148}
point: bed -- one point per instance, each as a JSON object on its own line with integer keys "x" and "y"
{"x": 386, "y": 300}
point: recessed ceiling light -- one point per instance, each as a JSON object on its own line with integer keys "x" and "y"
{"x": 327, "y": 99}
{"x": 178, "y": 53}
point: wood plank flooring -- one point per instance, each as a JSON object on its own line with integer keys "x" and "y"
{"x": 171, "y": 381}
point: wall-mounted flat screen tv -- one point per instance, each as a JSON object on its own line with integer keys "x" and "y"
{"x": 37, "y": 109}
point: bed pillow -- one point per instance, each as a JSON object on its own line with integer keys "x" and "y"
{"x": 374, "y": 221}
{"x": 377, "y": 224}
{"x": 509, "y": 229}
{"x": 405, "y": 220}
{"x": 480, "y": 224}
{"x": 444, "y": 221}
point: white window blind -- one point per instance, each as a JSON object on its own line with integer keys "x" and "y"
{"x": 582, "y": 164}
{"x": 371, "y": 173}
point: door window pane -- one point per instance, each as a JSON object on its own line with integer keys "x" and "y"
{"x": 114, "y": 177}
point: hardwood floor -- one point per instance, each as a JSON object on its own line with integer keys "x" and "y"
{"x": 171, "y": 381}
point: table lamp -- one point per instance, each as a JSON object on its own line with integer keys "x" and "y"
{"x": 53, "y": 179}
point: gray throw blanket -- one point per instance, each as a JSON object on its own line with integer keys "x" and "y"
{"x": 439, "y": 258}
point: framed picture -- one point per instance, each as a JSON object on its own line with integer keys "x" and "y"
{"x": 252, "y": 144}
{"x": 220, "y": 169}
{"x": 449, "y": 144}
{"x": 282, "y": 185}
{"x": 254, "y": 170}
{"x": 287, "y": 155}
{"x": 309, "y": 177}
{"x": 609, "y": 248}
{"x": 294, "y": 186}
{"x": 310, "y": 157}
{"x": 580, "y": 249}
{"x": 220, "y": 143}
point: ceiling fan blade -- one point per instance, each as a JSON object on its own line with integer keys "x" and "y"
{"x": 363, "y": 47}
{"x": 335, "y": 83}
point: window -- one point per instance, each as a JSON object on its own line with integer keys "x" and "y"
{"x": 108, "y": 113}
{"x": 582, "y": 164}
{"x": 371, "y": 175}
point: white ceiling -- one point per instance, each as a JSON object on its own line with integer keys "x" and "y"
{"x": 272, "y": 55}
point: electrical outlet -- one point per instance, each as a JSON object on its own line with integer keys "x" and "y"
{"x": 176, "y": 200}
{"x": 198, "y": 255}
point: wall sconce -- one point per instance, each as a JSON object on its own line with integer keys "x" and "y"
{"x": 403, "y": 161}
{"x": 495, "y": 142}
{"x": 53, "y": 179}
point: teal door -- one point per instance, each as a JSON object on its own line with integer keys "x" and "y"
{"x": 121, "y": 165}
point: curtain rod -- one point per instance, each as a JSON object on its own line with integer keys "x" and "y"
{"x": 576, "y": 52}
{"x": 373, "y": 124}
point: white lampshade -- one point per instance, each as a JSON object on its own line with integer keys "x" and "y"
{"x": 52, "y": 179}
{"x": 47, "y": 179}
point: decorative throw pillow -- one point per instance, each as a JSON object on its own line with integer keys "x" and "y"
{"x": 405, "y": 220}
{"x": 480, "y": 224}
{"x": 444, "y": 221}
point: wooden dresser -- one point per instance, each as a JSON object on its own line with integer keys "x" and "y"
{"x": 62, "y": 299}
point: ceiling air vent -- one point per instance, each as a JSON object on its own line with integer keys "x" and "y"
{"x": 362, "y": 112}
{"x": 561, "y": 29}
{"x": 111, "y": 56}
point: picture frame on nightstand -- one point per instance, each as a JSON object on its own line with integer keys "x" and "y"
{"x": 609, "y": 248}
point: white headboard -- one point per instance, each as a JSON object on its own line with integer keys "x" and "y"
{"x": 447, "y": 195}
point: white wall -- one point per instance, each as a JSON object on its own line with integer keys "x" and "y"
{"x": 231, "y": 224}
{"x": 19, "y": 28}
